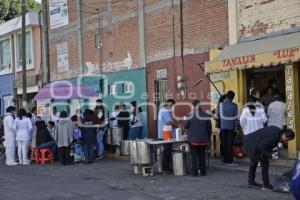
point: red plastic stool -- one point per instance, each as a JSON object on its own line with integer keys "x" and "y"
{"x": 35, "y": 155}
{"x": 45, "y": 156}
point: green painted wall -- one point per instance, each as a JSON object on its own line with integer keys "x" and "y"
{"x": 137, "y": 77}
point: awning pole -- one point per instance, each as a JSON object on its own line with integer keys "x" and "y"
{"x": 209, "y": 79}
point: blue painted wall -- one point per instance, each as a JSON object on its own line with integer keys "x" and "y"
{"x": 6, "y": 88}
{"x": 136, "y": 76}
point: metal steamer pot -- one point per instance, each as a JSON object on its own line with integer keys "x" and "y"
{"x": 181, "y": 161}
{"x": 125, "y": 148}
{"x": 116, "y": 136}
{"x": 108, "y": 137}
{"x": 140, "y": 153}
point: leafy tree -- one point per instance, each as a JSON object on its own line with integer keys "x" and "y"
{"x": 10, "y": 9}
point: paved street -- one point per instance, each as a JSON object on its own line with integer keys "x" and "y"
{"x": 109, "y": 180}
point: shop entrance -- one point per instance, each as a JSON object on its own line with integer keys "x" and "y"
{"x": 263, "y": 78}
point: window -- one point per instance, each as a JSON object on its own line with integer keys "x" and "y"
{"x": 29, "y": 55}
{"x": 5, "y": 55}
{"x": 113, "y": 89}
{"x": 128, "y": 88}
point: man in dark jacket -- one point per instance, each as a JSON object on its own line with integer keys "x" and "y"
{"x": 199, "y": 129}
{"x": 259, "y": 147}
{"x": 229, "y": 123}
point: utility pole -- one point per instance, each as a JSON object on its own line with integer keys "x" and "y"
{"x": 80, "y": 39}
{"x": 24, "y": 84}
{"x": 46, "y": 56}
{"x": 99, "y": 40}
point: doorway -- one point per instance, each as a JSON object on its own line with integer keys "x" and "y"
{"x": 263, "y": 78}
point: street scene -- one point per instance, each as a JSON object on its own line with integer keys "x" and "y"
{"x": 149, "y": 99}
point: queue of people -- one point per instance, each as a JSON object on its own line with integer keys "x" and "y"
{"x": 263, "y": 128}
{"x": 85, "y": 131}
{"x": 263, "y": 131}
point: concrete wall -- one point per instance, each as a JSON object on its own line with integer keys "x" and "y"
{"x": 259, "y": 18}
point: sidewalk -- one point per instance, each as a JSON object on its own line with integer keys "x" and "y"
{"x": 243, "y": 167}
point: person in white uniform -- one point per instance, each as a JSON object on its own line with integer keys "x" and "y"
{"x": 23, "y": 127}
{"x": 10, "y": 136}
{"x": 253, "y": 117}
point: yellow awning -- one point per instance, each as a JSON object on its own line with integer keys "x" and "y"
{"x": 260, "y": 53}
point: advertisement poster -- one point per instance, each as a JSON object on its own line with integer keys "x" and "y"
{"x": 43, "y": 109}
{"x": 58, "y": 12}
{"x": 62, "y": 57}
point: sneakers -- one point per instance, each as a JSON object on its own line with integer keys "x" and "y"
{"x": 254, "y": 184}
{"x": 26, "y": 163}
{"x": 267, "y": 187}
{"x": 12, "y": 164}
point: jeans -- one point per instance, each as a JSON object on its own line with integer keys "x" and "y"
{"x": 23, "y": 152}
{"x": 50, "y": 144}
{"x": 264, "y": 169}
{"x": 64, "y": 155}
{"x": 88, "y": 152}
{"x": 227, "y": 145}
{"x": 99, "y": 143}
{"x": 135, "y": 133}
{"x": 198, "y": 159}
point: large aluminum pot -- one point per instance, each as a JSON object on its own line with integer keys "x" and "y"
{"x": 108, "y": 137}
{"x": 140, "y": 152}
{"x": 116, "y": 136}
{"x": 181, "y": 163}
{"x": 133, "y": 153}
{"x": 125, "y": 148}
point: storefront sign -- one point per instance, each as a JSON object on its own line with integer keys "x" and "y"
{"x": 161, "y": 73}
{"x": 239, "y": 61}
{"x": 286, "y": 53}
{"x": 282, "y": 56}
{"x": 58, "y": 12}
{"x": 62, "y": 57}
{"x": 289, "y": 96}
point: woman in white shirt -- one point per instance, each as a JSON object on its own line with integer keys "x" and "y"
{"x": 252, "y": 118}
{"x": 277, "y": 113}
{"x": 23, "y": 127}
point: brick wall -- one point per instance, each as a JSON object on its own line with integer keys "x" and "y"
{"x": 205, "y": 27}
{"x": 260, "y": 17}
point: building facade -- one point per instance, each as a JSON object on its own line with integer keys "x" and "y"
{"x": 156, "y": 40}
{"x": 11, "y": 62}
{"x": 263, "y": 52}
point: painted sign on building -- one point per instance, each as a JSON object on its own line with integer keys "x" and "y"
{"x": 62, "y": 57}
{"x": 58, "y": 12}
{"x": 289, "y": 96}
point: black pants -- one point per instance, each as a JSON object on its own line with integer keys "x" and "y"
{"x": 227, "y": 146}
{"x": 198, "y": 159}
{"x": 264, "y": 169}
{"x": 167, "y": 157}
{"x": 64, "y": 155}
